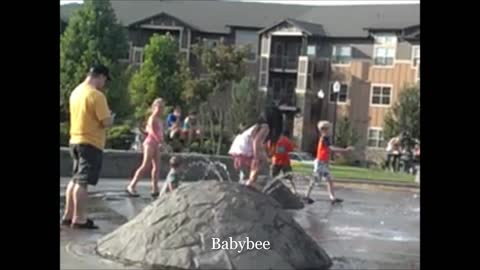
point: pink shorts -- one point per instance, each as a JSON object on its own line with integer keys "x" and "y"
{"x": 150, "y": 142}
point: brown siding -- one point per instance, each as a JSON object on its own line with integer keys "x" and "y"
{"x": 399, "y": 76}
{"x": 360, "y": 75}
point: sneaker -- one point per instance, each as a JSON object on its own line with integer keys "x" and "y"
{"x": 337, "y": 200}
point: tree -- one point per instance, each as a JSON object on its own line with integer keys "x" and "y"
{"x": 404, "y": 115}
{"x": 157, "y": 76}
{"x": 93, "y": 35}
{"x": 224, "y": 65}
{"x": 246, "y": 103}
{"x": 345, "y": 134}
{"x": 194, "y": 91}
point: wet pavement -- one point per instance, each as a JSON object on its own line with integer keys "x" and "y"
{"x": 374, "y": 228}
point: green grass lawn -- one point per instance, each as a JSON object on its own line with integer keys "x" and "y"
{"x": 348, "y": 172}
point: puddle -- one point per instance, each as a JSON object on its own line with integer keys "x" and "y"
{"x": 346, "y": 232}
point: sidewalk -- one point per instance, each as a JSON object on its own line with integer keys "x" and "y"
{"x": 381, "y": 183}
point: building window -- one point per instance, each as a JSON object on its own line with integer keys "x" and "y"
{"x": 415, "y": 55}
{"x": 211, "y": 43}
{"x": 312, "y": 50}
{"x": 384, "y": 50}
{"x": 341, "y": 54}
{"x": 137, "y": 57}
{"x": 250, "y": 39}
{"x": 375, "y": 138}
{"x": 381, "y": 95}
{"x": 263, "y": 80}
{"x": 342, "y": 96}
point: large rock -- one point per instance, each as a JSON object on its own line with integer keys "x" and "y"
{"x": 283, "y": 195}
{"x": 176, "y": 232}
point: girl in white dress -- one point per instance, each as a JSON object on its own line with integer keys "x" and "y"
{"x": 249, "y": 152}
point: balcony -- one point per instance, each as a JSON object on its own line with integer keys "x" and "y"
{"x": 284, "y": 98}
{"x": 287, "y": 63}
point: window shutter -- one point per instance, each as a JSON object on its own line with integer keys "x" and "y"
{"x": 302, "y": 74}
{"x": 264, "y": 62}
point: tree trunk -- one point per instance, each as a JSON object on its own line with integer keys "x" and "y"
{"x": 212, "y": 133}
{"x": 220, "y": 134}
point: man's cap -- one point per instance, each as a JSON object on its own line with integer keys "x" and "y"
{"x": 99, "y": 69}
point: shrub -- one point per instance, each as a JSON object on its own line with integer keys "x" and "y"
{"x": 120, "y": 137}
{"x": 64, "y": 134}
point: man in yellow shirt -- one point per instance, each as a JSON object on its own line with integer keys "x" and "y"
{"x": 89, "y": 118}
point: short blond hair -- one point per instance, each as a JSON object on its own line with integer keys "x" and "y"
{"x": 157, "y": 101}
{"x": 175, "y": 162}
{"x": 323, "y": 124}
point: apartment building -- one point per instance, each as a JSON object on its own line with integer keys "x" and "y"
{"x": 298, "y": 59}
{"x": 298, "y": 51}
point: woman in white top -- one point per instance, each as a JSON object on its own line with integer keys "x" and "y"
{"x": 393, "y": 153}
{"x": 248, "y": 151}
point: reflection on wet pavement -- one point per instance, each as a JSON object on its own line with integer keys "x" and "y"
{"x": 372, "y": 229}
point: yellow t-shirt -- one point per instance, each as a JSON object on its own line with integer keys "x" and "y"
{"x": 88, "y": 108}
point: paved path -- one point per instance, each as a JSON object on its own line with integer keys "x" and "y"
{"x": 375, "y": 228}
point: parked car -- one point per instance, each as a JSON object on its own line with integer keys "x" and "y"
{"x": 301, "y": 158}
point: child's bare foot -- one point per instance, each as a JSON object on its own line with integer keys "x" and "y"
{"x": 251, "y": 185}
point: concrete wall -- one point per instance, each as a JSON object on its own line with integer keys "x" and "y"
{"x": 122, "y": 164}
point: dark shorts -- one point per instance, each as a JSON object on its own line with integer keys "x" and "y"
{"x": 276, "y": 169}
{"x": 87, "y": 163}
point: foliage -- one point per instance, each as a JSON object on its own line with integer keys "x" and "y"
{"x": 224, "y": 65}
{"x": 93, "y": 35}
{"x": 194, "y": 91}
{"x": 120, "y": 137}
{"x": 246, "y": 103}
{"x": 157, "y": 76}
{"x": 117, "y": 93}
{"x": 64, "y": 134}
{"x": 404, "y": 115}
{"x": 345, "y": 134}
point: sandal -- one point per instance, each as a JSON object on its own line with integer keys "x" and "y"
{"x": 155, "y": 194}
{"x": 87, "y": 225}
{"x": 308, "y": 200}
{"x": 66, "y": 222}
{"x": 131, "y": 194}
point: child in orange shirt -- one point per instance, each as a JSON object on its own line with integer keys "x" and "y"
{"x": 321, "y": 166}
{"x": 281, "y": 158}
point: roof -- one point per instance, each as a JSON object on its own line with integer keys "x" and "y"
{"x": 412, "y": 32}
{"x": 144, "y": 20}
{"x": 216, "y": 16}
{"x": 309, "y": 28}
